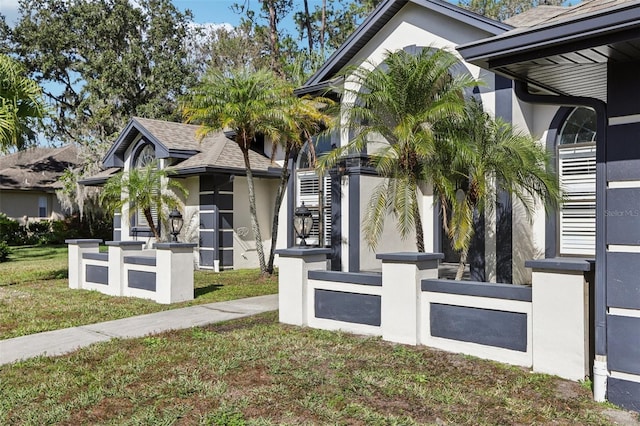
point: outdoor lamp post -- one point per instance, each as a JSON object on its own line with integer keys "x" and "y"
{"x": 302, "y": 223}
{"x": 176, "y": 221}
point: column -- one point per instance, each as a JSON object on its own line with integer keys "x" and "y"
{"x": 402, "y": 275}
{"x": 76, "y": 249}
{"x": 117, "y": 251}
{"x": 174, "y": 272}
{"x": 560, "y": 309}
{"x": 295, "y": 263}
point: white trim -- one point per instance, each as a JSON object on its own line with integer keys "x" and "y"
{"x": 624, "y": 184}
{"x": 207, "y": 192}
{"x": 625, "y": 376}
{"x": 624, "y": 119}
{"x": 622, "y": 312}
{"x": 620, "y": 248}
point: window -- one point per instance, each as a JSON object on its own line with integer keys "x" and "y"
{"x": 145, "y": 156}
{"x": 577, "y": 174}
{"x": 315, "y": 192}
{"x": 42, "y": 206}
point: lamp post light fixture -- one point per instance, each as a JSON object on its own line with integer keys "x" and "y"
{"x": 176, "y": 222}
{"x": 302, "y": 223}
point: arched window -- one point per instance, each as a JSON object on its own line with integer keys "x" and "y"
{"x": 145, "y": 155}
{"x": 576, "y": 151}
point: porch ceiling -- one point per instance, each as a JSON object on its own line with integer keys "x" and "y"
{"x": 569, "y": 57}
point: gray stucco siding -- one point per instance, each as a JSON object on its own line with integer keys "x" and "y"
{"x": 348, "y": 307}
{"x": 500, "y": 329}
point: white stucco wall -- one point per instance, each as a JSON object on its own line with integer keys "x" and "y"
{"x": 529, "y": 230}
{"x": 412, "y": 26}
{"x": 244, "y": 242}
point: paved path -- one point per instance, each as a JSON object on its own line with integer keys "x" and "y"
{"x": 58, "y": 342}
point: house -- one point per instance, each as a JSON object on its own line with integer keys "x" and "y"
{"x": 590, "y": 57}
{"x": 29, "y": 180}
{"x": 216, "y": 211}
{"x": 568, "y": 76}
{"x": 495, "y": 256}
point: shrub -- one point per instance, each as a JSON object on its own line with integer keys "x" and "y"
{"x": 11, "y": 232}
{"x": 5, "y": 251}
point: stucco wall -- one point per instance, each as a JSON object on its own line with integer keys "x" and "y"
{"x": 244, "y": 243}
{"x": 17, "y": 204}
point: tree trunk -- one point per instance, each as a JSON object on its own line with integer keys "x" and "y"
{"x": 273, "y": 39}
{"x": 255, "y": 226}
{"x": 282, "y": 187}
{"x": 418, "y": 221}
{"x": 307, "y": 25}
{"x": 463, "y": 263}
{"x": 152, "y": 225}
{"x": 323, "y": 27}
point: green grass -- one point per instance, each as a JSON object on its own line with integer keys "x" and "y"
{"x": 34, "y": 293}
{"x": 255, "y": 371}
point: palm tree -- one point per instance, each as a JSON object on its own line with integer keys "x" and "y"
{"x": 142, "y": 189}
{"x": 21, "y": 105}
{"x": 304, "y": 119}
{"x": 478, "y": 156}
{"x": 403, "y": 100}
{"x": 249, "y": 104}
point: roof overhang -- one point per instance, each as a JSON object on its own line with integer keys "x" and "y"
{"x": 272, "y": 172}
{"x": 566, "y": 58}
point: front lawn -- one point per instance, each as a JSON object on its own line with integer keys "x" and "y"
{"x": 255, "y": 371}
{"x": 34, "y": 293}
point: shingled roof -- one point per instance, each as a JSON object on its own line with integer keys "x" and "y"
{"x": 37, "y": 168}
{"x": 216, "y": 153}
{"x": 544, "y": 14}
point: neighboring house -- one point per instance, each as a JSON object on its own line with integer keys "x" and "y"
{"x": 29, "y": 180}
{"x": 571, "y": 80}
{"x": 216, "y": 211}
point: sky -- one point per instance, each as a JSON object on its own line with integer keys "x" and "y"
{"x": 204, "y": 11}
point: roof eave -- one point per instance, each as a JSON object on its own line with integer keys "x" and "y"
{"x": 272, "y": 172}
{"x": 557, "y": 37}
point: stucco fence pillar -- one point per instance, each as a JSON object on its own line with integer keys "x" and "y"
{"x": 561, "y": 305}
{"x": 174, "y": 272}
{"x": 77, "y": 248}
{"x": 293, "y": 272}
{"x": 402, "y": 275}
{"x": 117, "y": 251}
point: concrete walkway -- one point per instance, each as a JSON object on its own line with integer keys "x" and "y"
{"x": 58, "y": 342}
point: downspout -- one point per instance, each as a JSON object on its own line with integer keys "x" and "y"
{"x": 600, "y": 107}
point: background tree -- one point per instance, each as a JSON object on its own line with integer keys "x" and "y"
{"x": 21, "y": 106}
{"x": 503, "y": 9}
{"x": 403, "y": 101}
{"x": 478, "y": 156}
{"x": 146, "y": 189}
{"x": 103, "y": 62}
{"x": 249, "y": 104}
{"x": 100, "y": 63}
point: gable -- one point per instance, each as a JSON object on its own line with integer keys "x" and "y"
{"x": 170, "y": 140}
{"x": 396, "y": 24}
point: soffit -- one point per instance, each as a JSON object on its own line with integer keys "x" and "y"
{"x": 568, "y": 57}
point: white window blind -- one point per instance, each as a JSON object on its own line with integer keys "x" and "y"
{"x": 316, "y": 195}
{"x": 577, "y": 170}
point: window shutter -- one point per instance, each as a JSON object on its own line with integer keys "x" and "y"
{"x": 316, "y": 198}
{"x": 577, "y": 170}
